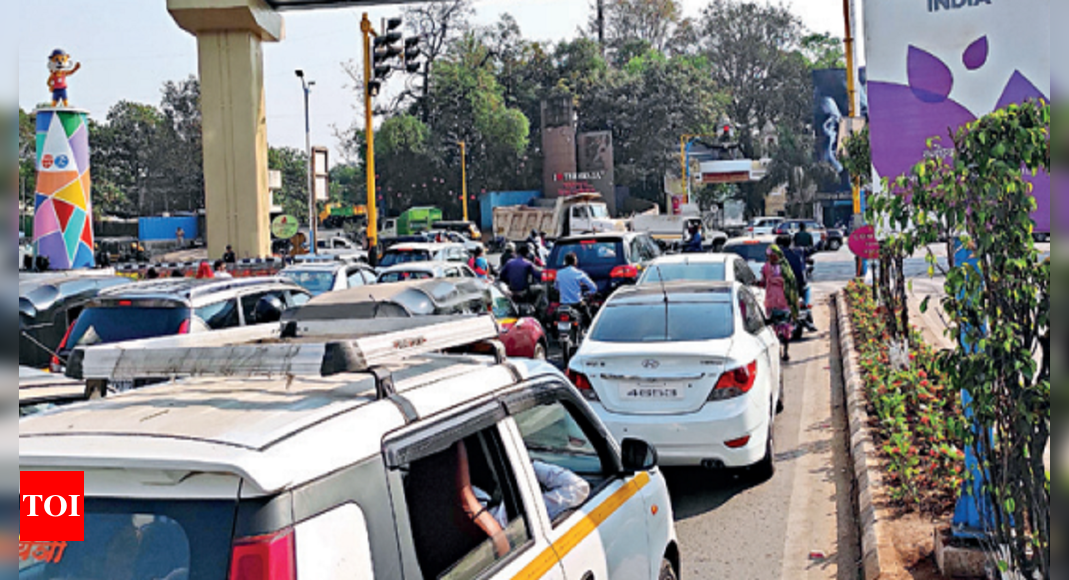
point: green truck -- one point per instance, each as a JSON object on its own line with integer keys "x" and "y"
{"x": 413, "y": 221}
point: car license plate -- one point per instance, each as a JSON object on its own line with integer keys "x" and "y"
{"x": 652, "y": 393}
{"x": 120, "y": 386}
{"x": 564, "y": 326}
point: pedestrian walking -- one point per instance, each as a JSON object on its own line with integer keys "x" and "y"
{"x": 229, "y": 256}
{"x": 781, "y": 297}
{"x": 180, "y": 237}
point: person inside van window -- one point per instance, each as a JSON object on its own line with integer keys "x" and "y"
{"x": 562, "y": 491}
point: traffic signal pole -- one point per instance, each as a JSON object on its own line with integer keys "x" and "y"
{"x": 369, "y": 120}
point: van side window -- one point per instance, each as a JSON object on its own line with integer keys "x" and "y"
{"x": 465, "y": 508}
{"x": 565, "y": 457}
{"x": 219, "y": 315}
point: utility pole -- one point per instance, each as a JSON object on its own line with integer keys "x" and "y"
{"x": 464, "y": 176}
{"x": 312, "y": 242}
{"x": 369, "y": 130}
{"x": 851, "y": 92}
{"x": 601, "y": 26}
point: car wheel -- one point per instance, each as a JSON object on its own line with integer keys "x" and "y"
{"x": 766, "y": 469}
{"x": 539, "y": 352}
{"x": 781, "y": 405}
{"x": 668, "y": 572}
{"x": 834, "y": 245}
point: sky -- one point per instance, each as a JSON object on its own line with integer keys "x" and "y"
{"x": 129, "y": 48}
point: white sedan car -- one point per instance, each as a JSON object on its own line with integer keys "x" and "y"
{"x": 692, "y": 368}
{"x": 424, "y": 271}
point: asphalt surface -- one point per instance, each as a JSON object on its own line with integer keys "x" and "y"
{"x": 800, "y": 524}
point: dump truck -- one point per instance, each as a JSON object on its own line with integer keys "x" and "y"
{"x": 413, "y": 221}
{"x": 568, "y": 216}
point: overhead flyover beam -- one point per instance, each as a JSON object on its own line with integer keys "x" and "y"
{"x": 296, "y": 4}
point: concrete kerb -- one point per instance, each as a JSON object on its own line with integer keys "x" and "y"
{"x": 879, "y": 556}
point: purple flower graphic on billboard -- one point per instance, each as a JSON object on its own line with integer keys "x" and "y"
{"x": 903, "y": 118}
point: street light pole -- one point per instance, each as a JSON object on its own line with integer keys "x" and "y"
{"x": 464, "y": 176}
{"x": 307, "y": 86}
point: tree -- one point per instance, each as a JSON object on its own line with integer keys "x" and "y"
{"x": 125, "y": 156}
{"x": 27, "y": 156}
{"x": 755, "y": 54}
{"x": 653, "y": 23}
{"x": 647, "y": 106}
{"x": 293, "y": 197}
{"x": 823, "y": 51}
{"x": 857, "y": 157}
{"x": 182, "y": 156}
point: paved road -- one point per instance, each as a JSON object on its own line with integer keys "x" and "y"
{"x": 777, "y": 530}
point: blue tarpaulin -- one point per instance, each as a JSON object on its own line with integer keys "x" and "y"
{"x": 156, "y": 229}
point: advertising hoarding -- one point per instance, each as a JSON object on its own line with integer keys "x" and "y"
{"x": 934, "y": 65}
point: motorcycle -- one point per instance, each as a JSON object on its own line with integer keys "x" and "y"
{"x": 571, "y": 330}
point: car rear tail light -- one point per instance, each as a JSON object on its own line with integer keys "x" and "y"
{"x": 264, "y": 558}
{"x": 735, "y": 383}
{"x": 56, "y": 365}
{"x": 549, "y": 275}
{"x": 582, "y": 383}
{"x": 624, "y": 272}
{"x": 738, "y": 443}
{"x": 184, "y": 327}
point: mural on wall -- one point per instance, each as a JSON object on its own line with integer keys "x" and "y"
{"x": 931, "y": 70}
{"x": 63, "y": 219}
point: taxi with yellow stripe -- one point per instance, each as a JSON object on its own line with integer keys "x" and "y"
{"x": 426, "y": 466}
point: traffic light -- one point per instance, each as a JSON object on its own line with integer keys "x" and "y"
{"x": 412, "y": 54}
{"x": 385, "y": 50}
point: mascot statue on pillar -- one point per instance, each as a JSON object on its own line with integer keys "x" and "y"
{"x": 59, "y": 65}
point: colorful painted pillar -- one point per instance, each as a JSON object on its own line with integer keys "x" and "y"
{"x": 63, "y": 216}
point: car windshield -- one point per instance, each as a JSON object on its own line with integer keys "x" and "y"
{"x": 599, "y": 212}
{"x": 166, "y": 540}
{"x": 755, "y": 252}
{"x": 715, "y": 272}
{"x": 395, "y": 257}
{"x": 677, "y": 322}
{"x": 316, "y": 282}
{"x": 590, "y": 253}
{"x": 106, "y": 324}
{"x": 403, "y": 276}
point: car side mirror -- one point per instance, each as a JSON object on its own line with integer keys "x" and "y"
{"x": 638, "y": 455}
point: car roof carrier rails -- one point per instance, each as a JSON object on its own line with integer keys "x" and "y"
{"x": 316, "y": 348}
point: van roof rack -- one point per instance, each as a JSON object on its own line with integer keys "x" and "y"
{"x": 294, "y": 349}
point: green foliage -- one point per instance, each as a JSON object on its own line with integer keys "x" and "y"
{"x": 293, "y": 197}
{"x": 1000, "y": 306}
{"x": 918, "y": 420}
{"x": 823, "y": 51}
{"x": 655, "y": 24}
{"x": 857, "y": 156}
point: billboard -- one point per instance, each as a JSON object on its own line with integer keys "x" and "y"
{"x": 934, "y": 65}
{"x": 831, "y": 106}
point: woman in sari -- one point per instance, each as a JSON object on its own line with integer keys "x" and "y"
{"x": 781, "y": 297}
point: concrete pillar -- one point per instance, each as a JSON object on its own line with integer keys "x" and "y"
{"x": 229, "y": 35}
